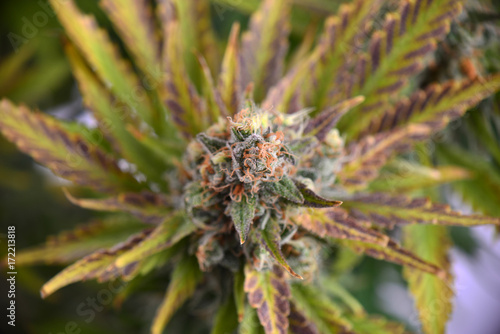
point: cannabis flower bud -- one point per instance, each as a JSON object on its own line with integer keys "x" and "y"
{"x": 245, "y": 168}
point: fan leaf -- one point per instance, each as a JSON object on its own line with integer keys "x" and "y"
{"x": 133, "y": 20}
{"x": 81, "y": 241}
{"x": 104, "y": 57}
{"x": 404, "y": 210}
{"x": 437, "y": 104}
{"x": 182, "y": 285}
{"x": 268, "y": 292}
{"x": 164, "y": 236}
{"x": 395, "y": 53}
{"x": 147, "y": 206}
{"x": 265, "y": 45}
{"x": 370, "y": 154}
{"x": 67, "y": 153}
{"x": 433, "y": 296}
{"x": 229, "y": 83}
{"x": 91, "y": 266}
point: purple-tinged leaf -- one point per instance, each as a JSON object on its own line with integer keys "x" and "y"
{"x": 268, "y": 292}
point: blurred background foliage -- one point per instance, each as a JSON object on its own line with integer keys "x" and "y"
{"x": 35, "y": 71}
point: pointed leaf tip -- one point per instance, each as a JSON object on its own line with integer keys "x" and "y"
{"x": 313, "y": 200}
{"x": 242, "y": 214}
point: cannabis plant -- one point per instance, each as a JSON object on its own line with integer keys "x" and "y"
{"x": 252, "y": 173}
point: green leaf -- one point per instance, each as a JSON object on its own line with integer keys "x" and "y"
{"x": 250, "y": 323}
{"x": 113, "y": 119}
{"x": 268, "y": 292}
{"x": 91, "y": 266}
{"x": 367, "y": 156}
{"x": 403, "y": 176}
{"x": 433, "y": 296}
{"x": 404, "y": 210}
{"x": 312, "y": 200}
{"x": 103, "y": 56}
{"x": 374, "y": 325}
{"x": 179, "y": 94}
{"x": 485, "y": 179}
{"x": 197, "y": 34}
{"x": 321, "y": 125}
{"x": 437, "y": 105}
{"x": 239, "y": 293}
{"x": 395, "y": 53}
{"x": 286, "y": 188}
{"x": 270, "y": 240}
{"x": 216, "y": 105}
{"x": 83, "y": 240}
{"x": 242, "y": 213}
{"x": 211, "y": 144}
{"x": 67, "y": 154}
{"x": 134, "y": 22}
{"x": 341, "y": 35}
{"x": 164, "y": 236}
{"x": 229, "y": 84}
{"x": 226, "y": 319}
{"x": 147, "y": 206}
{"x": 182, "y": 285}
{"x": 264, "y": 46}
{"x": 319, "y": 309}
{"x": 336, "y": 223}
{"x": 394, "y": 253}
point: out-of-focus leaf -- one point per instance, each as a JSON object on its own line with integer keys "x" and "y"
{"x": 401, "y": 209}
{"x": 371, "y": 153}
{"x": 182, "y": 285}
{"x": 113, "y": 119}
{"x": 242, "y": 213}
{"x": 103, "y": 56}
{"x": 226, "y": 319}
{"x": 91, "y": 266}
{"x": 239, "y": 293}
{"x": 268, "y": 292}
{"x": 321, "y": 125}
{"x": 67, "y": 154}
{"x": 336, "y": 223}
{"x": 197, "y": 33}
{"x": 180, "y": 96}
{"x": 270, "y": 239}
{"x": 396, "y": 254}
{"x": 433, "y": 296}
{"x": 133, "y": 20}
{"x": 374, "y": 325}
{"x": 229, "y": 83}
{"x": 83, "y": 240}
{"x": 401, "y": 176}
{"x": 395, "y": 53}
{"x": 171, "y": 231}
{"x": 265, "y": 45}
{"x": 438, "y": 104}
{"x": 319, "y": 309}
{"x": 485, "y": 179}
{"x": 250, "y": 323}
{"x": 341, "y": 36}
{"x": 299, "y": 323}
{"x": 147, "y": 206}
